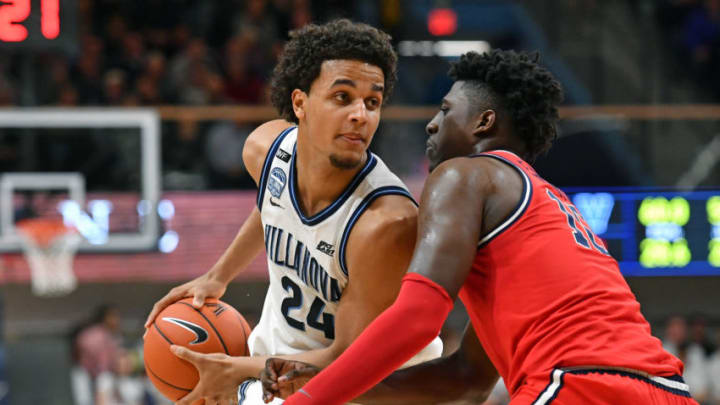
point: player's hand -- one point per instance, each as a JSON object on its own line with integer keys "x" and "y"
{"x": 281, "y": 378}
{"x": 218, "y": 382}
{"x": 201, "y": 288}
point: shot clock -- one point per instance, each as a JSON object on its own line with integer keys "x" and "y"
{"x": 38, "y": 24}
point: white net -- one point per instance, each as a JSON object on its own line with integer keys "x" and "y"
{"x": 51, "y": 261}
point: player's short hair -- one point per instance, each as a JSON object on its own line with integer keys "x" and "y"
{"x": 516, "y": 84}
{"x": 311, "y": 45}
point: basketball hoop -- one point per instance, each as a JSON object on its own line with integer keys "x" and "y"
{"x": 49, "y": 247}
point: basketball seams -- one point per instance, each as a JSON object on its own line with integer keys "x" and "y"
{"x": 159, "y": 341}
{"x": 165, "y": 382}
{"x": 243, "y": 322}
{"x": 222, "y": 342}
{"x": 162, "y": 334}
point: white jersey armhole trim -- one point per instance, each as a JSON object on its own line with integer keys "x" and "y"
{"x": 372, "y": 196}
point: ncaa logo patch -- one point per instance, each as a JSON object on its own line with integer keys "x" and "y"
{"x": 277, "y": 182}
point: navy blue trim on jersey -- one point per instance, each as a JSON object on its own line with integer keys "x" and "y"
{"x": 242, "y": 391}
{"x": 375, "y": 194}
{"x": 268, "y": 164}
{"x": 518, "y": 211}
{"x": 654, "y": 381}
{"x": 370, "y": 164}
{"x": 673, "y": 384}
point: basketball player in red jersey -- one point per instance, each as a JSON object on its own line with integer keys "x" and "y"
{"x": 546, "y": 300}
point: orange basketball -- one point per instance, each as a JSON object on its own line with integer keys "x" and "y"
{"x": 215, "y": 328}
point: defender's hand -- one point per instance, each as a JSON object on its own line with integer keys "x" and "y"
{"x": 201, "y": 288}
{"x": 218, "y": 379}
{"x": 281, "y": 378}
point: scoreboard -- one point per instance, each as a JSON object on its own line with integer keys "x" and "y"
{"x": 652, "y": 232}
{"x": 38, "y": 24}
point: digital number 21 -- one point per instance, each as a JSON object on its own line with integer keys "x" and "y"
{"x": 13, "y": 12}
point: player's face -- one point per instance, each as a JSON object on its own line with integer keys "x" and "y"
{"x": 451, "y": 130}
{"x": 342, "y": 110}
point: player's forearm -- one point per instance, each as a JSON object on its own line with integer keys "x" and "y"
{"x": 248, "y": 243}
{"x": 442, "y": 380}
{"x": 254, "y": 365}
{"x": 319, "y": 358}
{"x": 421, "y": 305}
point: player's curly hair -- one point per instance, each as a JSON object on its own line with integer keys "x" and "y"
{"x": 311, "y": 45}
{"x": 518, "y": 85}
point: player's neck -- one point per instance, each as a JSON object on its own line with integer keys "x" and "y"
{"x": 319, "y": 183}
{"x": 502, "y": 143}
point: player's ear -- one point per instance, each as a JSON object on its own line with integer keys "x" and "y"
{"x": 484, "y": 122}
{"x": 299, "y": 98}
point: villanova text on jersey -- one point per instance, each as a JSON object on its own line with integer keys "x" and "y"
{"x": 285, "y": 250}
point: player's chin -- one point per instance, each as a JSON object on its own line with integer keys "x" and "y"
{"x": 346, "y": 160}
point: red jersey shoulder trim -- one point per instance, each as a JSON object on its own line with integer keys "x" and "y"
{"x": 522, "y": 205}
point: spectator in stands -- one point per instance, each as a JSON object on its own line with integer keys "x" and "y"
{"x": 223, "y": 151}
{"x": 96, "y": 350}
{"x": 55, "y": 78}
{"x": 114, "y": 87}
{"x": 714, "y": 374}
{"x": 193, "y": 73}
{"x": 699, "y": 335}
{"x": 133, "y": 57}
{"x": 257, "y": 22}
{"x": 88, "y": 70}
{"x": 156, "y": 72}
{"x": 122, "y": 386}
{"x": 7, "y": 92}
{"x": 696, "y": 366}
{"x": 244, "y": 85}
{"x": 702, "y": 39}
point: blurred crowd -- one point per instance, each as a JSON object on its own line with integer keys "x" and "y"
{"x": 184, "y": 52}
{"x": 166, "y": 52}
{"x": 159, "y": 52}
{"x": 105, "y": 370}
{"x": 691, "y": 339}
{"x": 692, "y": 29}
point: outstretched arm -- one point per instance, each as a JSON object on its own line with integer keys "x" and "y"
{"x": 465, "y": 374}
{"x": 449, "y": 230}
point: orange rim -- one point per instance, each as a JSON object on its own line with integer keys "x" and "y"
{"x": 43, "y": 230}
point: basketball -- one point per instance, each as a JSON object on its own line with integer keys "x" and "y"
{"x": 215, "y": 328}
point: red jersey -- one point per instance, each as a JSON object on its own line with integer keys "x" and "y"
{"x": 543, "y": 293}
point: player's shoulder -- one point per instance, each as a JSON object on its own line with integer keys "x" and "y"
{"x": 391, "y": 209}
{"x": 475, "y": 172}
{"x": 259, "y": 142}
{"x": 388, "y": 218}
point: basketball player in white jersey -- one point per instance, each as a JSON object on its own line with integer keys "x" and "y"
{"x": 337, "y": 226}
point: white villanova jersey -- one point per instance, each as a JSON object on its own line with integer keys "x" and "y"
{"x": 306, "y": 255}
